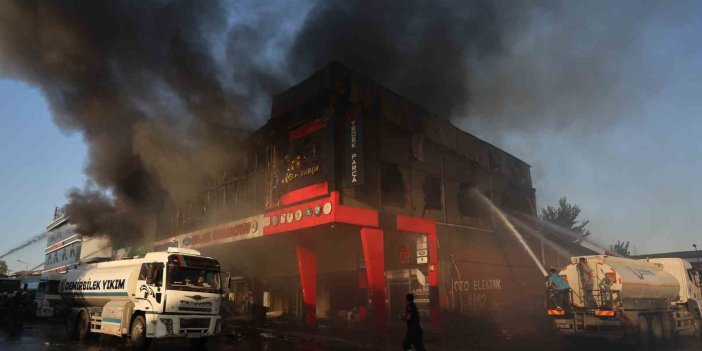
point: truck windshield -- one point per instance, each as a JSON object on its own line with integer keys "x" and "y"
{"x": 193, "y": 279}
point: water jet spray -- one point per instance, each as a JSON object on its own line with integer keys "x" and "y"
{"x": 511, "y": 228}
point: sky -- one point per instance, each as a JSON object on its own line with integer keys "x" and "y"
{"x": 636, "y": 178}
{"x": 38, "y": 164}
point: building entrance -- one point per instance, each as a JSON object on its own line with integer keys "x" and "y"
{"x": 399, "y": 285}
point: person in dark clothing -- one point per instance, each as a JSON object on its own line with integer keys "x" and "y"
{"x": 414, "y": 330}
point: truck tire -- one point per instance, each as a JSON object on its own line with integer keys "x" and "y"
{"x": 698, "y": 326}
{"x": 643, "y": 332}
{"x": 657, "y": 330}
{"x": 82, "y": 326}
{"x": 137, "y": 333}
{"x": 71, "y": 326}
{"x": 669, "y": 335}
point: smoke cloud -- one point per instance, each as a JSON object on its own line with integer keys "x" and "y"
{"x": 139, "y": 80}
{"x": 163, "y": 91}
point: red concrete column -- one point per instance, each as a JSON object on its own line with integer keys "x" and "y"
{"x": 374, "y": 256}
{"x": 434, "y": 306}
{"x": 307, "y": 266}
{"x": 363, "y": 294}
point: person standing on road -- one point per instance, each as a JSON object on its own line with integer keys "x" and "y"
{"x": 414, "y": 330}
{"x": 587, "y": 282}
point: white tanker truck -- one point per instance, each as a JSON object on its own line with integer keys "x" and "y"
{"x": 48, "y": 298}
{"x": 642, "y": 301}
{"x": 164, "y": 294}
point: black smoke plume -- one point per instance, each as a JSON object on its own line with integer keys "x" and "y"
{"x": 163, "y": 90}
{"x": 139, "y": 81}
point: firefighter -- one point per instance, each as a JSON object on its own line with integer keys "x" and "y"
{"x": 587, "y": 282}
{"x": 559, "y": 290}
{"x": 414, "y": 330}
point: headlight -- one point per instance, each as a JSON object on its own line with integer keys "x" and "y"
{"x": 169, "y": 325}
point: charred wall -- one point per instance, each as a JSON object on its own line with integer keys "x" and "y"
{"x": 411, "y": 162}
{"x": 414, "y": 162}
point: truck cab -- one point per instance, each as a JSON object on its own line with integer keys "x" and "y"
{"x": 689, "y": 278}
{"x": 47, "y": 297}
{"x": 185, "y": 294}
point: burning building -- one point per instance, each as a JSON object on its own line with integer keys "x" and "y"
{"x": 350, "y": 197}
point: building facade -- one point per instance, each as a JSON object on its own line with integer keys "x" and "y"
{"x": 66, "y": 248}
{"x": 351, "y": 197}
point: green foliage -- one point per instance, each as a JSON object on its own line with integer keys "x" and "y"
{"x": 566, "y": 216}
{"x": 3, "y": 267}
{"x": 620, "y": 248}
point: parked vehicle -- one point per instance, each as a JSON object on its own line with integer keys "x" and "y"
{"x": 650, "y": 301}
{"x": 162, "y": 295}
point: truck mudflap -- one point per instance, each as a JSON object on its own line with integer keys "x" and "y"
{"x": 114, "y": 319}
{"x": 185, "y": 325}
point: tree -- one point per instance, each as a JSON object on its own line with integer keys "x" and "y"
{"x": 3, "y": 267}
{"x": 566, "y": 216}
{"x": 620, "y": 248}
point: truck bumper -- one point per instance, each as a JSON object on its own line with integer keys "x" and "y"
{"x": 45, "y": 311}
{"x": 584, "y": 325}
{"x": 182, "y": 325}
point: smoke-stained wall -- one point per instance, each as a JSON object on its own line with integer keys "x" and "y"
{"x": 411, "y": 162}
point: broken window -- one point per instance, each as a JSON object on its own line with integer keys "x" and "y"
{"x": 468, "y": 204}
{"x": 418, "y": 146}
{"x": 392, "y": 185}
{"x": 432, "y": 193}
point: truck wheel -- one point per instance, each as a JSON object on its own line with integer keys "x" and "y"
{"x": 82, "y": 326}
{"x": 668, "y": 328}
{"x": 138, "y": 333}
{"x": 698, "y": 326}
{"x": 657, "y": 330}
{"x": 71, "y": 326}
{"x": 643, "y": 332}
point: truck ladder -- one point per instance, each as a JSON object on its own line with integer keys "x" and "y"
{"x": 579, "y": 321}
{"x": 95, "y": 321}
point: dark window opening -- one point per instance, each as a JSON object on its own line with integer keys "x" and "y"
{"x": 368, "y": 191}
{"x": 392, "y": 185}
{"x": 432, "y": 193}
{"x": 468, "y": 203}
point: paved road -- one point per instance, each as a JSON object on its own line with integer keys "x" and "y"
{"x": 50, "y": 337}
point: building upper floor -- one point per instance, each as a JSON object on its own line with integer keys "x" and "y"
{"x": 341, "y": 131}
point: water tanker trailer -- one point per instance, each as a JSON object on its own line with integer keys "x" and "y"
{"x": 650, "y": 301}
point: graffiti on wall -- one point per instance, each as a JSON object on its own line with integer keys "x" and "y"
{"x": 475, "y": 295}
